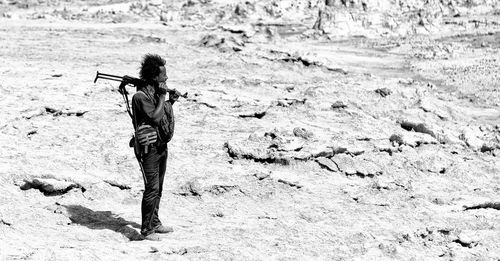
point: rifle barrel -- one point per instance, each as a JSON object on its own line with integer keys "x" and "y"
{"x": 107, "y": 78}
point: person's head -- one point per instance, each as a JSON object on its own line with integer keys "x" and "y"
{"x": 153, "y": 69}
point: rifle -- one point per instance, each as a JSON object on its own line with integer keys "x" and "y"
{"x": 129, "y": 80}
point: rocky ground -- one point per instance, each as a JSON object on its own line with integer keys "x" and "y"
{"x": 330, "y": 130}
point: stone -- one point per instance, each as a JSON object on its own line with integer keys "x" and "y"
{"x": 412, "y": 139}
{"x": 339, "y": 105}
{"x": 303, "y": 133}
{"x": 471, "y": 138}
{"x": 49, "y": 186}
{"x": 287, "y": 144}
{"x": 383, "y": 92}
{"x": 327, "y": 163}
{"x": 345, "y": 163}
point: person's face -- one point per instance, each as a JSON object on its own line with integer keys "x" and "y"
{"x": 162, "y": 77}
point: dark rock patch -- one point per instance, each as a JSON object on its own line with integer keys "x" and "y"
{"x": 66, "y": 112}
{"x": 289, "y": 183}
{"x": 383, "y": 92}
{"x": 493, "y": 205}
{"x": 417, "y": 127}
{"x": 50, "y": 187}
{"x": 338, "y": 105}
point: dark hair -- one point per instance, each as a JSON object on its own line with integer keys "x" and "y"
{"x": 150, "y": 67}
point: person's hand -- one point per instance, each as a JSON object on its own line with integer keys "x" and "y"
{"x": 174, "y": 95}
{"x": 162, "y": 87}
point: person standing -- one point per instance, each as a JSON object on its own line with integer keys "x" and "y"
{"x": 154, "y": 117}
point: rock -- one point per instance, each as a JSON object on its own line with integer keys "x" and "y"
{"x": 287, "y": 178}
{"x": 432, "y": 159}
{"x": 345, "y": 163}
{"x": 383, "y": 92}
{"x": 432, "y": 105}
{"x": 257, "y": 151}
{"x": 223, "y": 44}
{"x": 318, "y": 149}
{"x": 287, "y": 144}
{"x": 353, "y": 147}
{"x": 303, "y": 133}
{"x": 287, "y": 102}
{"x": 367, "y": 168}
{"x": 338, "y": 105}
{"x": 416, "y": 127}
{"x": 146, "y": 39}
{"x": 49, "y": 186}
{"x": 221, "y": 189}
{"x": 262, "y": 175}
{"x": 191, "y": 188}
{"x": 467, "y": 239}
{"x": 470, "y": 137}
{"x": 412, "y": 139}
{"x": 327, "y": 163}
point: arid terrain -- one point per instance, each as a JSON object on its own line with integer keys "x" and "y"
{"x": 313, "y": 130}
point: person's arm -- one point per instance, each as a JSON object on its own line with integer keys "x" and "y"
{"x": 143, "y": 103}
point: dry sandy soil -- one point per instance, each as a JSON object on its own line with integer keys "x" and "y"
{"x": 373, "y": 136}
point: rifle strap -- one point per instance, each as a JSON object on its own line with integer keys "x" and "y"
{"x": 134, "y": 122}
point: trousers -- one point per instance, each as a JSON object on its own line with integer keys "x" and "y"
{"x": 154, "y": 165}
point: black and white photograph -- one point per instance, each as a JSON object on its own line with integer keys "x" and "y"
{"x": 250, "y": 130}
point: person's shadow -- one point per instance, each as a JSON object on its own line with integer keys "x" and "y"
{"x": 103, "y": 220}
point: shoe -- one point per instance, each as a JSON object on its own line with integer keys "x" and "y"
{"x": 152, "y": 237}
{"x": 163, "y": 229}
